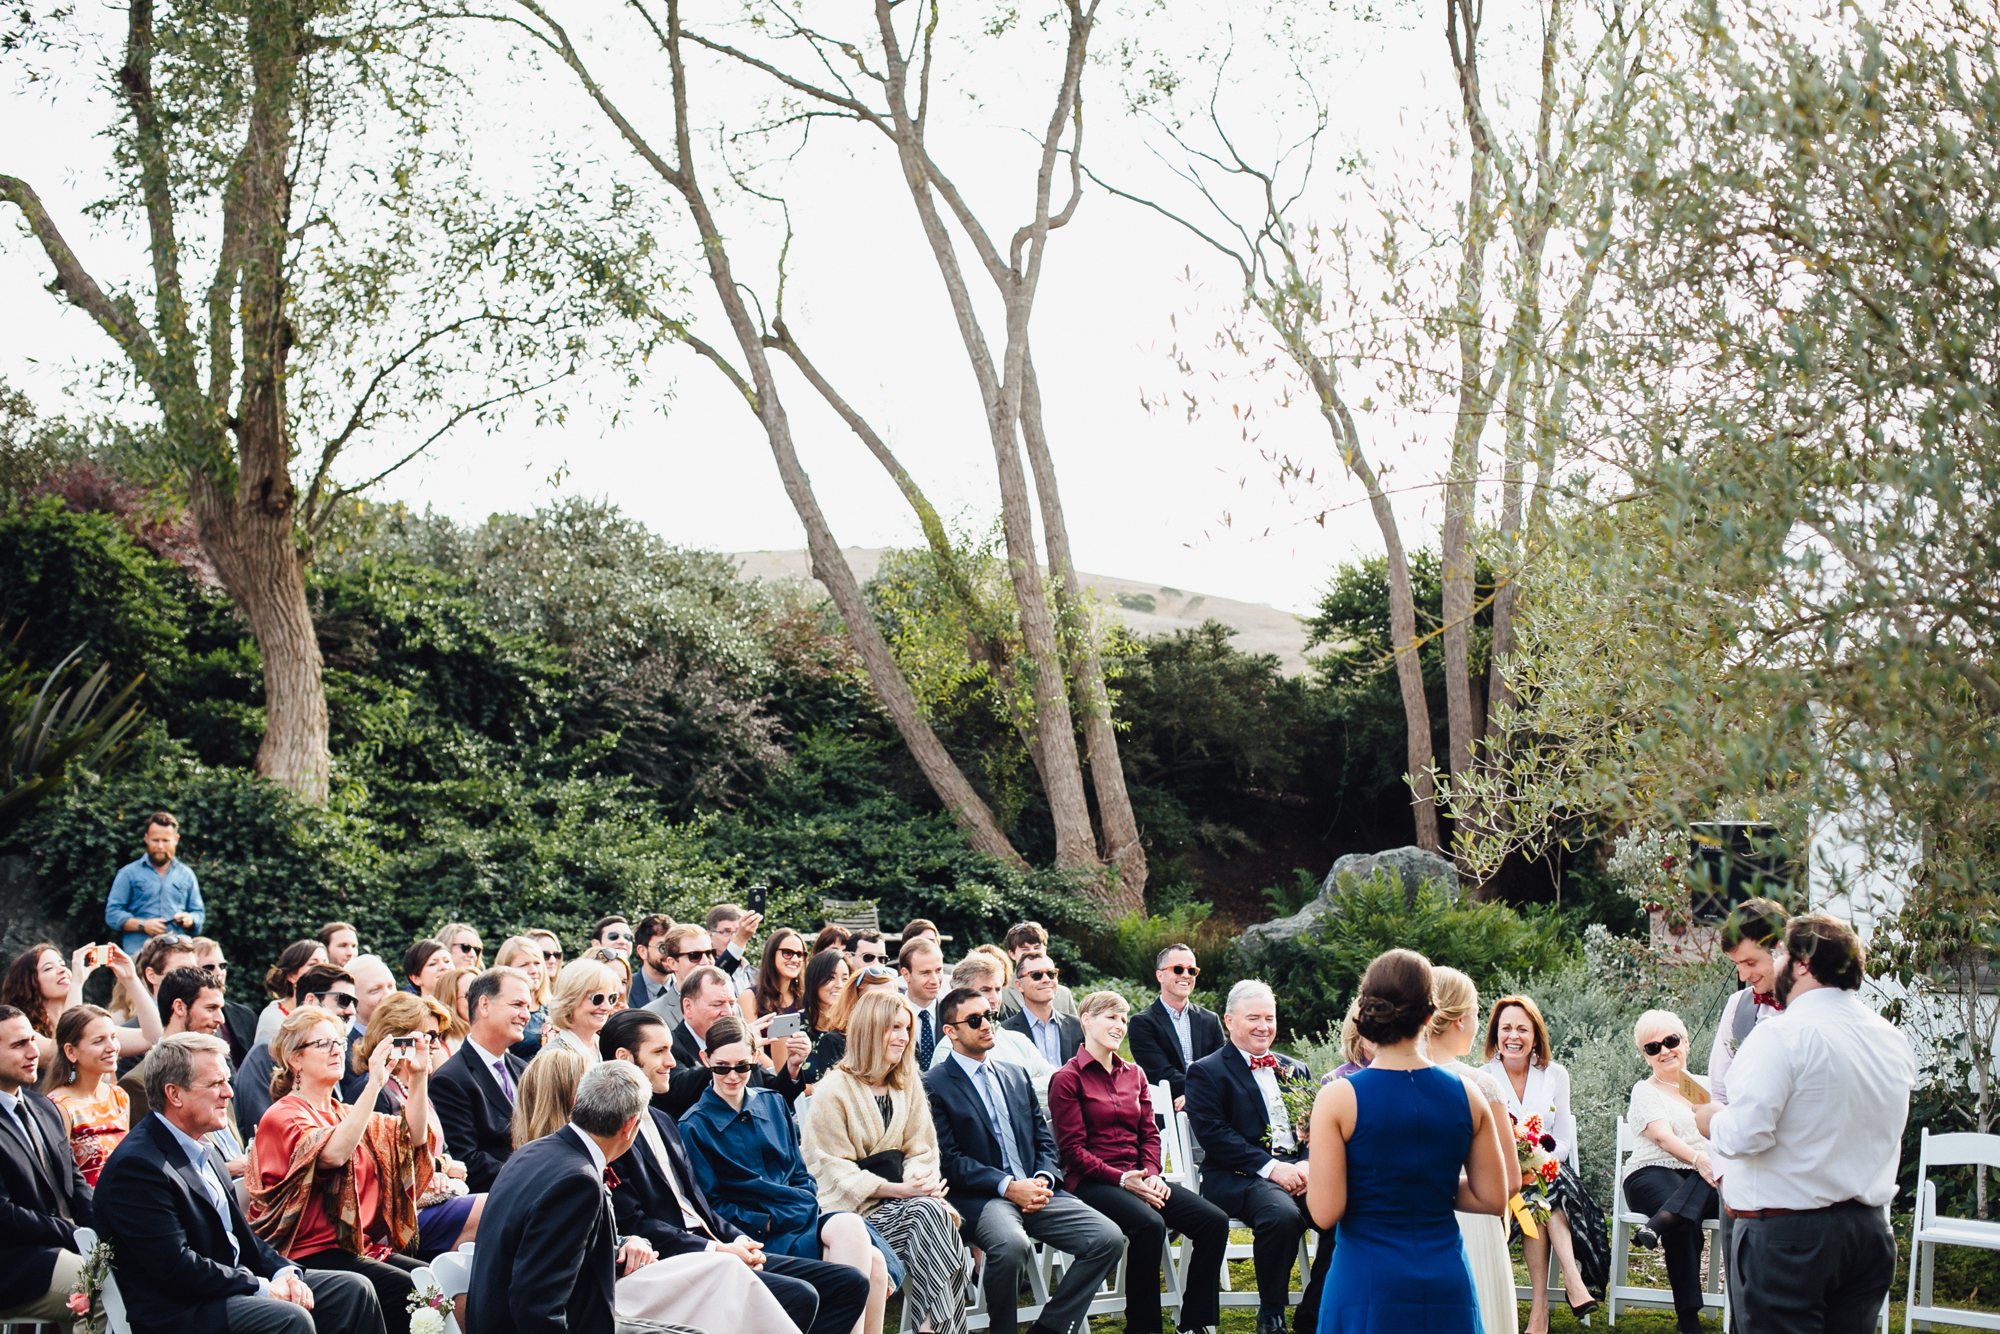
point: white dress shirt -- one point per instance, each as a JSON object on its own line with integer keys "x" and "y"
{"x": 1183, "y": 1022}
{"x": 1722, "y": 1053}
{"x": 1009, "y": 1048}
{"x": 690, "y": 1220}
{"x": 1546, "y": 1094}
{"x": 1274, "y": 1112}
{"x": 1817, "y": 1104}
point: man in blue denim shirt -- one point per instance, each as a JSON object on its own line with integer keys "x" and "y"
{"x": 157, "y": 893}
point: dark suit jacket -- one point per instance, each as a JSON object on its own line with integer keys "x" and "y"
{"x": 239, "y": 1028}
{"x": 1158, "y": 1050}
{"x": 644, "y": 1202}
{"x": 1226, "y": 1111}
{"x": 1070, "y": 1028}
{"x": 169, "y": 1248}
{"x": 690, "y": 1078}
{"x": 547, "y": 1254}
{"x": 969, "y": 1157}
{"x": 252, "y": 1086}
{"x": 40, "y": 1208}
{"x": 353, "y": 1082}
{"x": 475, "y": 1115}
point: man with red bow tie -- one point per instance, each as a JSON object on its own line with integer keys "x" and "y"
{"x": 1752, "y": 931}
{"x": 1256, "y": 1164}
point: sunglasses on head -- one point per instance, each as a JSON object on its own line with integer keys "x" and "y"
{"x": 1182, "y": 970}
{"x": 1667, "y": 1043}
{"x": 738, "y": 1068}
{"x": 1041, "y": 975}
{"x": 876, "y": 970}
{"x": 971, "y": 1020}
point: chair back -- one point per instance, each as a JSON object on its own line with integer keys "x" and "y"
{"x": 452, "y": 1272}
{"x": 114, "y": 1300}
{"x": 1961, "y": 1149}
{"x": 1176, "y": 1160}
{"x": 1619, "y": 1155}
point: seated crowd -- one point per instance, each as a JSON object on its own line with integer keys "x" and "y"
{"x": 774, "y": 1140}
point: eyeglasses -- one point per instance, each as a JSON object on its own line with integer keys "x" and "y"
{"x": 971, "y": 1020}
{"x": 739, "y": 1068}
{"x": 1041, "y": 975}
{"x": 791, "y": 954}
{"x": 1667, "y": 1043}
{"x": 1182, "y": 970}
{"x": 551, "y": 956}
{"x": 693, "y": 954}
{"x": 321, "y": 1044}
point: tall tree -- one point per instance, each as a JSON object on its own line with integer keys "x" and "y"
{"x": 375, "y": 312}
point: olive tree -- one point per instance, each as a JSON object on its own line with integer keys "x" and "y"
{"x": 323, "y": 276}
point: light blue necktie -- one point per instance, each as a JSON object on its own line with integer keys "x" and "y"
{"x": 1009, "y": 1154}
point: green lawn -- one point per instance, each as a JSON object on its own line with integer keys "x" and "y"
{"x": 1648, "y": 1269}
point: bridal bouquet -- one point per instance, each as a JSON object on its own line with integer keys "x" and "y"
{"x": 1535, "y": 1148}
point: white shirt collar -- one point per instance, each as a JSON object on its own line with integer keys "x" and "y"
{"x": 967, "y": 1064}
{"x": 7, "y": 1101}
{"x": 196, "y": 1151}
{"x": 590, "y": 1147}
{"x": 486, "y": 1058}
{"x": 1180, "y": 1012}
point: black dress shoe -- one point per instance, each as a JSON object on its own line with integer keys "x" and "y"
{"x": 1272, "y": 1322}
{"x": 1645, "y": 1239}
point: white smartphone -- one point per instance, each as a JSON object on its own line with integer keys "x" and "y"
{"x": 784, "y": 1025}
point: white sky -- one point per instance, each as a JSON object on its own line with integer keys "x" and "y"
{"x": 1149, "y": 495}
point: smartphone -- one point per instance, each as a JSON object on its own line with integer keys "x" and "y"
{"x": 96, "y": 956}
{"x": 407, "y": 1041}
{"x": 785, "y": 1025}
{"x": 756, "y": 900}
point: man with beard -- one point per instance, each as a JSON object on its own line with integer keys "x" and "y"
{"x": 157, "y": 893}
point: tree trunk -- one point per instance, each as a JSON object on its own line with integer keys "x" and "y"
{"x": 1122, "y": 847}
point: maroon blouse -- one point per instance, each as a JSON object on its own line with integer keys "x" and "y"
{"x": 1103, "y": 1121}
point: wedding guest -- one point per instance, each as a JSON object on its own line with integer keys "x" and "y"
{"x": 449, "y": 991}
{"x": 654, "y": 953}
{"x": 42, "y": 987}
{"x": 1389, "y": 1145}
{"x": 983, "y": 973}
{"x": 190, "y": 1001}
{"x": 826, "y": 1026}
{"x": 1518, "y": 1055}
{"x": 239, "y": 1022}
{"x": 921, "y": 964}
{"x": 82, "y": 1083}
{"x": 424, "y": 963}
{"x": 474, "y": 1090}
{"x": 1022, "y": 940}
{"x": 830, "y": 937}
{"x": 685, "y": 947}
{"x": 1669, "y": 1175}
{"x": 612, "y": 933}
{"x": 158, "y": 894}
{"x": 705, "y": 1000}
{"x": 341, "y": 943}
{"x": 998, "y": 1159}
{"x": 321, "y": 986}
{"x": 1254, "y": 1166}
{"x": 281, "y": 985}
{"x": 524, "y": 954}
{"x": 1356, "y": 1051}
{"x": 919, "y": 927}
{"x": 621, "y": 969}
{"x": 1448, "y": 1037}
{"x": 588, "y": 991}
{"x": 872, "y": 1148}
{"x": 1809, "y": 1143}
{"x": 1102, "y": 1107}
{"x": 866, "y": 947}
{"x": 1056, "y": 1036}
{"x": 461, "y": 940}
{"x": 744, "y": 1147}
{"x": 43, "y": 1197}
{"x": 780, "y": 987}
{"x": 1173, "y": 1032}
{"x": 335, "y": 1187}
{"x": 732, "y": 929}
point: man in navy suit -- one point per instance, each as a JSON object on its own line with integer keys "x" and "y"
{"x": 43, "y": 1198}
{"x": 1173, "y": 1032}
{"x": 549, "y": 1255}
{"x": 185, "y": 1257}
{"x": 473, "y": 1092}
{"x": 705, "y": 997}
{"x": 1255, "y": 1166}
{"x": 1057, "y": 1036}
{"x": 997, "y": 1151}
{"x": 656, "y": 1196}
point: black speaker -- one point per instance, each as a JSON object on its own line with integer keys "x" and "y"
{"x": 1733, "y": 861}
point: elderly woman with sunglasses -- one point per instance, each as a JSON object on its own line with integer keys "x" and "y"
{"x": 1669, "y": 1175}
{"x": 588, "y": 991}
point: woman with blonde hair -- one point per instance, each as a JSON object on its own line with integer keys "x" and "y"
{"x": 449, "y": 991}
{"x": 547, "y": 1093}
{"x": 1357, "y": 1053}
{"x": 334, "y": 1186}
{"x": 872, "y": 1147}
{"x": 1448, "y": 1038}
{"x": 82, "y": 1082}
{"x": 587, "y": 993}
{"x": 447, "y": 1213}
{"x": 1669, "y": 1175}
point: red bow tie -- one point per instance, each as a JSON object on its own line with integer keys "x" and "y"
{"x": 1766, "y": 998}
{"x": 610, "y": 1179}
{"x": 1266, "y": 1062}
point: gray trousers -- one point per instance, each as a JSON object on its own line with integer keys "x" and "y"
{"x": 1066, "y": 1223}
{"x": 1824, "y": 1272}
{"x": 342, "y": 1304}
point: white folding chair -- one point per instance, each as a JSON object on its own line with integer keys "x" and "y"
{"x": 1619, "y": 1293}
{"x": 452, "y": 1273}
{"x": 1524, "y": 1292}
{"x": 114, "y": 1301}
{"x": 1929, "y": 1229}
{"x": 1242, "y": 1250}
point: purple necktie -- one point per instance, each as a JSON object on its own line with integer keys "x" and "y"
{"x": 506, "y": 1080}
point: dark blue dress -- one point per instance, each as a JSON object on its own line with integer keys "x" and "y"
{"x": 1398, "y": 1265}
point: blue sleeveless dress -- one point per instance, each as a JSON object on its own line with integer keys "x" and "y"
{"x": 1398, "y": 1265}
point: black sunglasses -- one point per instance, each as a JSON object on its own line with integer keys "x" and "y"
{"x": 468, "y": 949}
{"x": 1040, "y": 975}
{"x": 739, "y": 1068}
{"x": 864, "y": 957}
{"x": 1667, "y": 1043}
{"x": 971, "y": 1020}
{"x": 551, "y": 956}
{"x": 338, "y": 1000}
{"x": 693, "y": 954}
{"x": 614, "y": 935}
{"x": 1182, "y": 970}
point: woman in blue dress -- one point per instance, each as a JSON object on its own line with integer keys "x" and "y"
{"x": 1388, "y": 1146}
{"x": 744, "y": 1147}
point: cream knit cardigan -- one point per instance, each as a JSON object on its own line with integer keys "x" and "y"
{"x": 845, "y": 1125}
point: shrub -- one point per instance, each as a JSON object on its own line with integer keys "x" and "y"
{"x": 1128, "y": 949}
{"x": 1315, "y": 973}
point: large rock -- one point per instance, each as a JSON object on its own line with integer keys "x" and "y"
{"x": 1412, "y": 867}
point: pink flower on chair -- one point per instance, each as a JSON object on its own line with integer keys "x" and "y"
{"x": 79, "y": 1303}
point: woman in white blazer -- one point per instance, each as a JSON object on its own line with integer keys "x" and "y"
{"x": 1517, "y": 1056}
